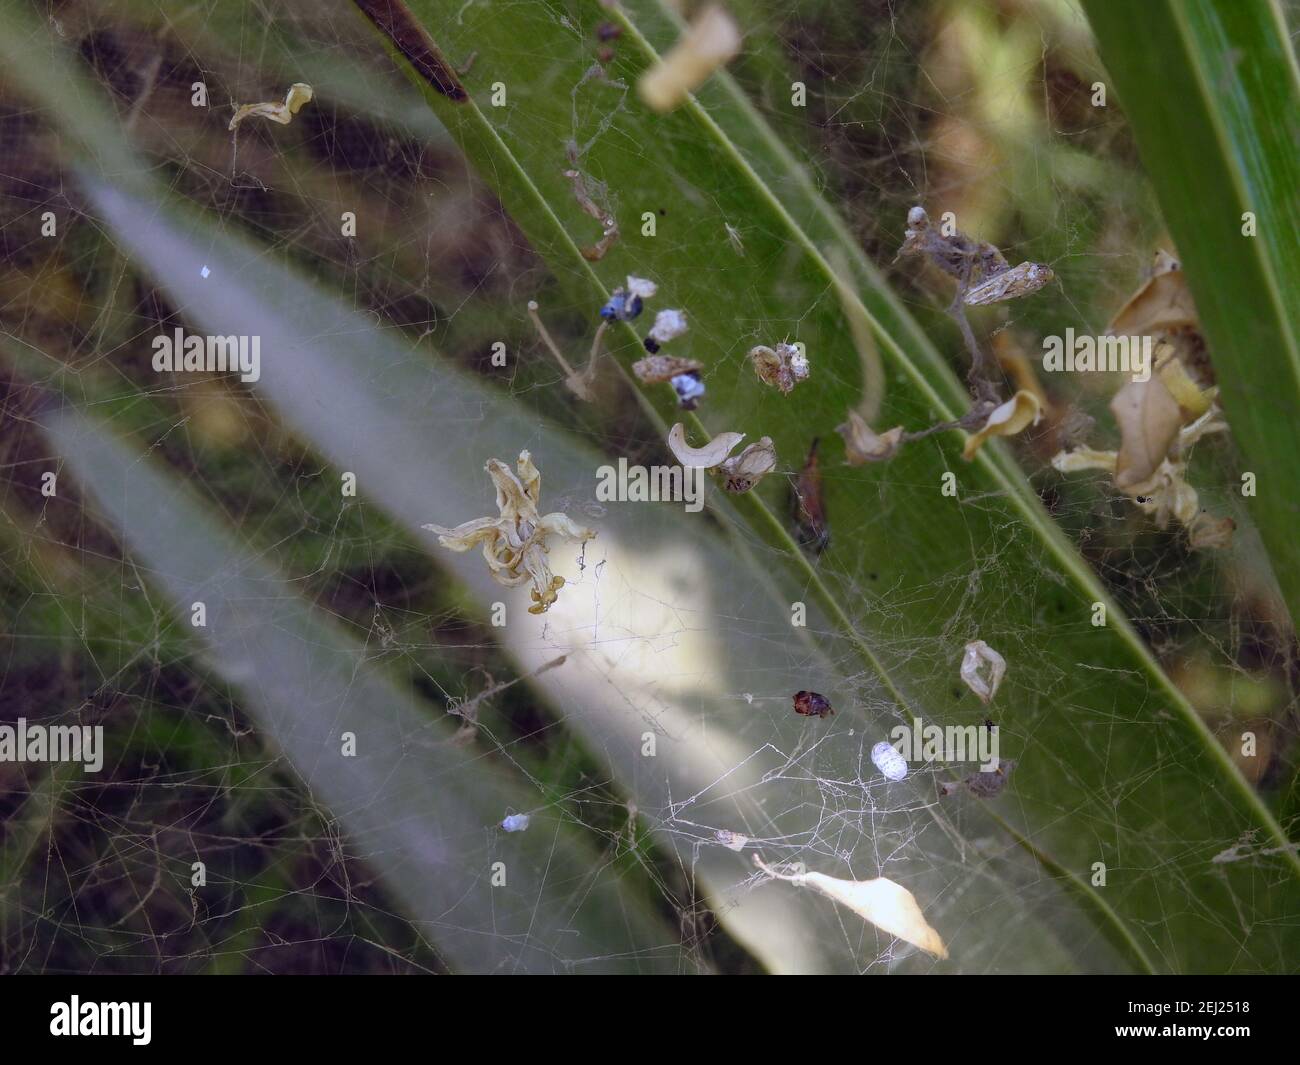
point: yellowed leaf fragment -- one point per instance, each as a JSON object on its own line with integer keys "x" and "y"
{"x": 864, "y": 444}
{"x": 1015, "y": 415}
{"x": 1162, "y": 305}
{"x": 1149, "y": 419}
{"x": 887, "y": 905}
{"x": 298, "y": 94}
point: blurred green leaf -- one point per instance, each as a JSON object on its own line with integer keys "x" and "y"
{"x": 418, "y": 807}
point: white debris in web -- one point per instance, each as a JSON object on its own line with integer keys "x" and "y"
{"x": 668, "y": 325}
{"x": 890, "y": 763}
{"x": 731, "y": 840}
{"x": 515, "y": 822}
{"x": 978, "y": 654}
{"x": 641, "y": 287}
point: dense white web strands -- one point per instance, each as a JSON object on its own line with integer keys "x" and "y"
{"x": 649, "y": 710}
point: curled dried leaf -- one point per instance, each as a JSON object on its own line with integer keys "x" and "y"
{"x": 1015, "y": 415}
{"x": 1149, "y": 419}
{"x": 299, "y": 93}
{"x": 711, "y": 40}
{"x": 882, "y": 902}
{"x": 1161, "y": 305}
{"x": 782, "y": 367}
{"x": 863, "y": 444}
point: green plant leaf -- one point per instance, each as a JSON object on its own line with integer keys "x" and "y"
{"x": 1216, "y": 114}
{"x": 421, "y": 809}
{"x": 666, "y": 597}
{"x": 1115, "y": 766}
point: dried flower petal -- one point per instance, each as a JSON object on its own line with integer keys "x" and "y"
{"x": 781, "y": 368}
{"x": 1016, "y": 414}
{"x": 862, "y": 444}
{"x": 514, "y": 542}
{"x": 741, "y": 472}
{"x": 668, "y": 325}
{"x": 657, "y": 369}
{"x": 1193, "y": 399}
{"x": 689, "y": 389}
{"x": 641, "y": 287}
{"x": 711, "y": 40}
{"x": 710, "y": 455}
{"x": 887, "y": 905}
{"x": 623, "y": 306}
{"x": 1084, "y": 458}
{"x": 298, "y": 94}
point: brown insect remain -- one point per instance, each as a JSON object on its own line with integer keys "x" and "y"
{"x": 812, "y": 704}
{"x": 809, "y": 506}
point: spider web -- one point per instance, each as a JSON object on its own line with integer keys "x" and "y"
{"x": 979, "y": 107}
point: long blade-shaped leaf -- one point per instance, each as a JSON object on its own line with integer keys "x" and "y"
{"x": 1217, "y": 121}
{"x": 672, "y": 623}
{"x": 422, "y": 810}
{"x": 1116, "y": 768}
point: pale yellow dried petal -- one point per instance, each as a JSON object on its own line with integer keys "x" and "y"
{"x": 884, "y": 903}
{"x": 1084, "y": 458}
{"x": 1194, "y": 400}
{"x": 558, "y": 524}
{"x": 465, "y": 535}
{"x": 711, "y": 40}
{"x": 711, "y": 454}
{"x": 299, "y": 93}
{"x": 514, "y": 542}
{"x": 1015, "y": 415}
